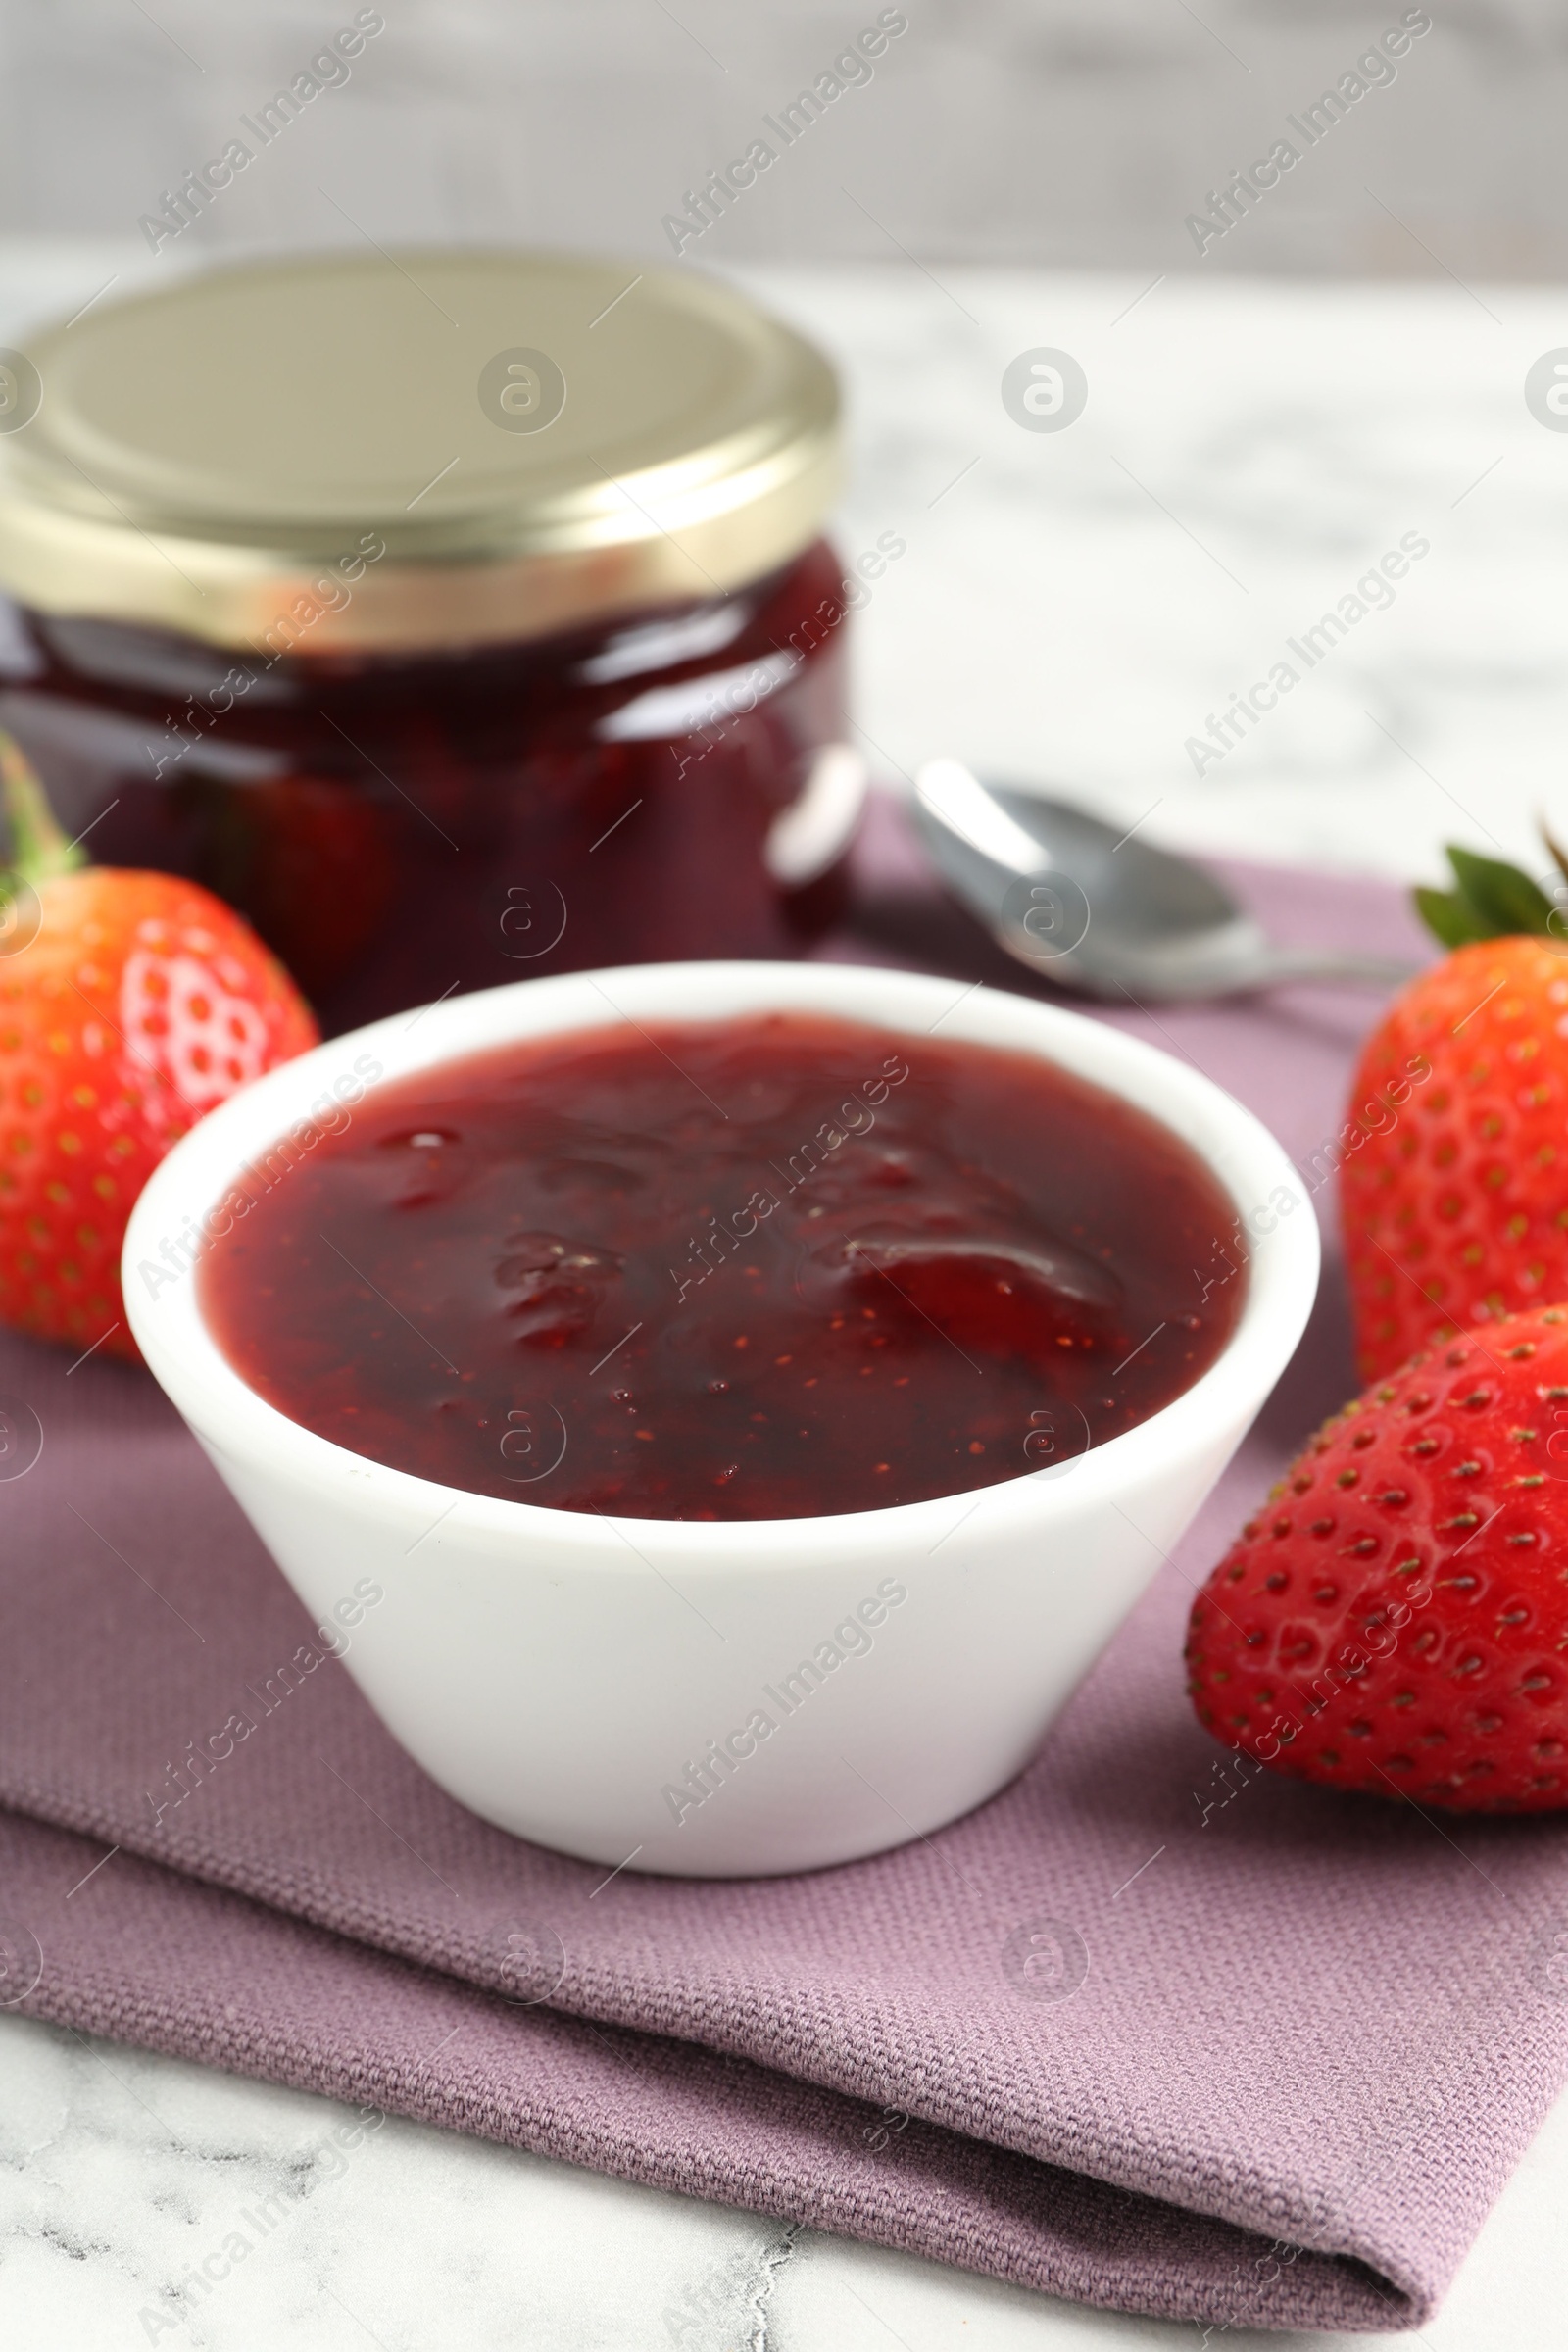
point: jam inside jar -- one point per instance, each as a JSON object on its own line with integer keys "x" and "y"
{"x": 457, "y": 623}
{"x": 401, "y": 826}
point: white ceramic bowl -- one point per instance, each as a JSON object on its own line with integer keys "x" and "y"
{"x": 561, "y": 1673}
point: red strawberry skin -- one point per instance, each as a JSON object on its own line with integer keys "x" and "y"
{"x": 140, "y": 1004}
{"x": 1454, "y": 1183}
{"x": 1396, "y": 1619}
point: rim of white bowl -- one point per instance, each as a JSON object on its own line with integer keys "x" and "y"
{"x": 1245, "y": 1158}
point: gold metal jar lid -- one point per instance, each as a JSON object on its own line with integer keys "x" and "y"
{"x": 409, "y": 451}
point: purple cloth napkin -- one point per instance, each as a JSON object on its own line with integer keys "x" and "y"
{"x": 1312, "y": 2034}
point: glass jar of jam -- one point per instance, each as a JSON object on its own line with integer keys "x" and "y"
{"x": 457, "y": 616}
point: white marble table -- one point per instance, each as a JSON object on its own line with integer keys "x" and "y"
{"x": 1073, "y": 604}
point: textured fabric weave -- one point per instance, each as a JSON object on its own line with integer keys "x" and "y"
{"x": 1314, "y": 2035}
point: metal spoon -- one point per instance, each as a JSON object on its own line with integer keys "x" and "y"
{"x": 1088, "y": 908}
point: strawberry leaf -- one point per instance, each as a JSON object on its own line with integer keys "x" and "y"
{"x": 1490, "y": 901}
{"x": 1448, "y": 918}
{"x": 1558, "y": 852}
{"x": 1502, "y": 896}
{"x": 38, "y": 847}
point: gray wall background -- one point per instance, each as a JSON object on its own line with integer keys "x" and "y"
{"x": 1002, "y": 131}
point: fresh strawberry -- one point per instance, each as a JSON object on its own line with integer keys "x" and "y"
{"x": 1396, "y": 1619}
{"x": 1454, "y": 1180}
{"x": 129, "y": 1004}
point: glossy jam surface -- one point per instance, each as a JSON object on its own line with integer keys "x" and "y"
{"x": 399, "y": 827}
{"x": 758, "y": 1268}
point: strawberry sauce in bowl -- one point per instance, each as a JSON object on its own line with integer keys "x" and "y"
{"x": 581, "y": 1317}
{"x": 753, "y": 1269}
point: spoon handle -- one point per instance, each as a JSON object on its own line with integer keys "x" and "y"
{"x": 1282, "y": 964}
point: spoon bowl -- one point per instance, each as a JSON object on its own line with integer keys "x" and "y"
{"x": 1090, "y": 907}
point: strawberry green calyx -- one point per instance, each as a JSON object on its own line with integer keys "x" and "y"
{"x": 40, "y": 851}
{"x": 1492, "y": 901}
